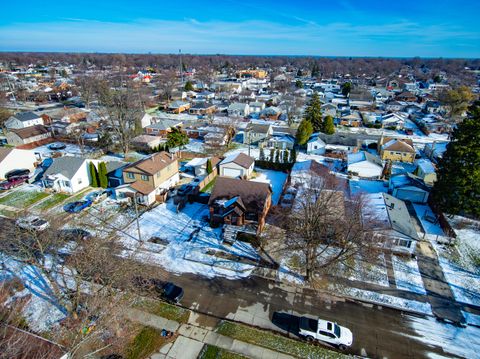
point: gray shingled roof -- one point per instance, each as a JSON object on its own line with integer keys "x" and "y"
{"x": 66, "y": 166}
{"x": 26, "y": 116}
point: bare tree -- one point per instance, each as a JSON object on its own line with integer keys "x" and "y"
{"x": 324, "y": 227}
{"x": 167, "y": 83}
{"x": 121, "y": 108}
{"x": 88, "y": 88}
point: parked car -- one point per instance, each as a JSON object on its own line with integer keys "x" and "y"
{"x": 167, "y": 290}
{"x": 14, "y": 182}
{"x": 77, "y": 206}
{"x": 32, "y": 223}
{"x": 57, "y": 146}
{"x": 184, "y": 190}
{"x": 98, "y": 196}
{"x": 326, "y": 331}
{"x": 74, "y": 234}
{"x": 19, "y": 173}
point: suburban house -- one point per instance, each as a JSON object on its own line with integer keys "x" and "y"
{"x": 13, "y": 158}
{"x": 216, "y": 135}
{"x": 178, "y": 106}
{"x": 282, "y": 142}
{"x": 149, "y": 177}
{"x": 394, "y": 120}
{"x": 364, "y": 164}
{"x": 311, "y": 173}
{"x": 146, "y": 142}
{"x": 388, "y": 219}
{"x": 162, "y": 127}
{"x": 352, "y": 120}
{"x": 271, "y": 113}
{"x": 23, "y": 120}
{"x": 23, "y": 136}
{"x": 256, "y": 107}
{"x": 408, "y": 187}
{"x": 329, "y": 109}
{"x": 395, "y": 149}
{"x": 202, "y": 109}
{"x": 67, "y": 174}
{"x": 238, "y": 109}
{"x": 426, "y": 171}
{"x": 115, "y": 173}
{"x": 239, "y": 202}
{"x": 237, "y": 166}
{"x": 315, "y": 145}
{"x": 256, "y": 132}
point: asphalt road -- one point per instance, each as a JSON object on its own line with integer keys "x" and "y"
{"x": 378, "y": 332}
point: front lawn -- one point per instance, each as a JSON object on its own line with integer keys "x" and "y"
{"x": 275, "y": 342}
{"x": 209, "y": 186}
{"x": 52, "y": 201}
{"x": 145, "y": 343}
{"x": 165, "y": 310}
{"x": 213, "y": 352}
{"x": 22, "y": 198}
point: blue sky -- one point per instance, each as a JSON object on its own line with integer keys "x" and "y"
{"x": 426, "y": 28}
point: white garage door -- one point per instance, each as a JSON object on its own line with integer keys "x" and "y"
{"x": 232, "y": 172}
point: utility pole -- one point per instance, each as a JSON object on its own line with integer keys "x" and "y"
{"x": 136, "y": 215}
{"x": 181, "y": 66}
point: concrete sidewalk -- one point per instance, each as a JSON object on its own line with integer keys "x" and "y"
{"x": 192, "y": 338}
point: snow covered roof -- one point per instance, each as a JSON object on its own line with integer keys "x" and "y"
{"x": 426, "y": 165}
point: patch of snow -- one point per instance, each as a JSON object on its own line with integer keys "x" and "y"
{"x": 423, "y": 212}
{"x": 365, "y": 186}
{"x": 276, "y": 179}
{"x": 407, "y": 275}
{"x": 465, "y": 285}
{"x": 69, "y": 150}
{"x": 472, "y": 319}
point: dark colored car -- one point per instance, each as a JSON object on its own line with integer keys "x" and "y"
{"x": 20, "y": 173}
{"x": 184, "y": 189}
{"x": 167, "y": 290}
{"x": 14, "y": 182}
{"x": 74, "y": 234}
{"x": 75, "y": 207}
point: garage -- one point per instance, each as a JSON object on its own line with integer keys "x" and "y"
{"x": 414, "y": 195}
{"x": 232, "y": 172}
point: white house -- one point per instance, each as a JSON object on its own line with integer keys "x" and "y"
{"x": 316, "y": 145}
{"x": 67, "y": 174}
{"x": 237, "y": 165}
{"x": 12, "y": 158}
{"x": 238, "y": 109}
{"x": 22, "y": 136}
{"x": 23, "y": 120}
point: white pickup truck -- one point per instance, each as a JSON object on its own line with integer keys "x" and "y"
{"x": 326, "y": 331}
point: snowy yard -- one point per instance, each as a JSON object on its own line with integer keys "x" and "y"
{"x": 365, "y": 186}
{"x": 70, "y": 149}
{"x": 407, "y": 275}
{"x": 276, "y": 179}
{"x": 459, "y": 263}
{"x": 357, "y": 269}
{"x": 186, "y": 243}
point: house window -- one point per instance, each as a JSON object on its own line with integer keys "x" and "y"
{"x": 79, "y": 181}
{"x": 144, "y": 177}
{"x": 158, "y": 174}
{"x": 403, "y": 243}
{"x": 130, "y": 175}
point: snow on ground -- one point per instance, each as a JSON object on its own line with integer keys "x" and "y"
{"x": 194, "y": 146}
{"x": 131, "y": 156}
{"x": 254, "y": 152}
{"x": 455, "y": 341}
{"x": 364, "y": 271}
{"x": 384, "y": 299}
{"x": 407, "y": 275}
{"x": 70, "y": 149}
{"x": 288, "y": 275}
{"x": 188, "y": 238}
{"x": 42, "y": 310}
{"x": 472, "y": 319}
{"x": 276, "y": 179}
{"x": 458, "y": 263}
{"x": 365, "y": 186}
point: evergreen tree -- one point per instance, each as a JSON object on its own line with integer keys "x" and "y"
{"x": 188, "y": 86}
{"x": 313, "y": 112}
{"x": 346, "y": 88}
{"x": 272, "y": 154}
{"x": 102, "y": 175}
{"x": 93, "y": 174}
{"x": 328, "y": 125}
{"x": 293, "y": 155}
{"x": 277, "y": 156}
{"x": 209, "y": 166}
{"x": 304, "y": 132}
{"x": 262, "y": 154}
{"x": 457, "y": 190}
{"x": 285, "y": 156}
{"x": 299, "y": 84}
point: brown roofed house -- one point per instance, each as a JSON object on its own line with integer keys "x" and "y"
{"x": 237, "y": 165}
{"x": 23, "y": 136}
{"x": 396, "y": 149}
{"x": 239, "y": 202}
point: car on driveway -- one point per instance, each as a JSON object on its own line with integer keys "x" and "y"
{"x": 98, "y": 196}
{"x": 18, "y": 173}
{"x": 32, "y": 223}
{"x": 77, "y": 206}
{"x": 14, "y": 182}
{"x": 57, "y": 146}
{"x": 74, "y": 234}
{"x": 166, "y": 290}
